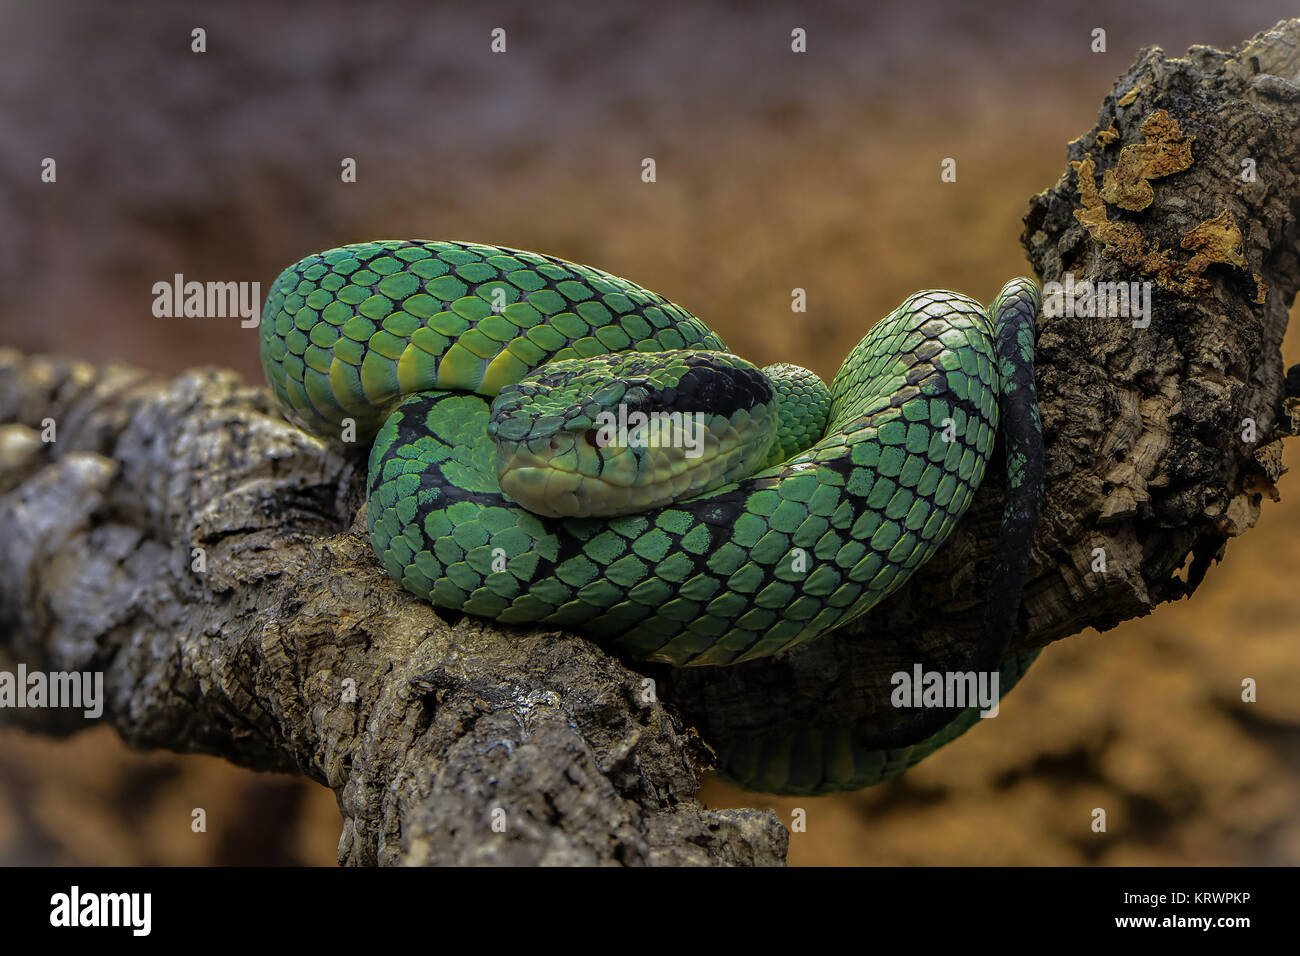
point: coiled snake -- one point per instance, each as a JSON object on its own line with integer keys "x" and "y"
{"x": 767, "y": 512}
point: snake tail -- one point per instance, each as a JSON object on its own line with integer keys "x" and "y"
{"x": 810, "y": 761}
{"x": 1013, "y": 313}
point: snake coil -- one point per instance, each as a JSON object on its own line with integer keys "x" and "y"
{"x": 411, "y": 341}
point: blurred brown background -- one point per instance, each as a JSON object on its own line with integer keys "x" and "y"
{"x": 775, "y": 170}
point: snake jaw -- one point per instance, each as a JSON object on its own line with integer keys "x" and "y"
{"x": 532, "y": 474}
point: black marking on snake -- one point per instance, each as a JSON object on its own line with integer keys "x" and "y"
{"x": 715, "y": 389}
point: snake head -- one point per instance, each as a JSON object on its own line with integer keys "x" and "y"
{"x": 620, "y": 433}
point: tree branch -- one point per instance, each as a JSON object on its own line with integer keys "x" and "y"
{"x": 1143, "y": 426}
{"x": 212, "y": 560}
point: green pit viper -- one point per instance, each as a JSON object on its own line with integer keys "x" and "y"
{"x": 770, "y": 511}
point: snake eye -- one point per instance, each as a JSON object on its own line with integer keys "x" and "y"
{"x": 590, "y": 436}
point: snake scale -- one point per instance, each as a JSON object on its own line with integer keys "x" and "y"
{"x": 850, "y": 490}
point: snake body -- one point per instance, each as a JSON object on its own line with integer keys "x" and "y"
{"x": 410, "y": 342}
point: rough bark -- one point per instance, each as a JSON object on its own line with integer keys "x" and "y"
{"x": 212, "y": 560}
